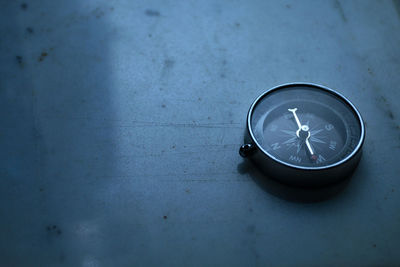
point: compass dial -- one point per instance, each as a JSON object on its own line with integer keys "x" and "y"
{"x": 305, "y": 126}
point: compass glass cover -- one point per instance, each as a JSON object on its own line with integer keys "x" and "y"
{"x": 305, "y": 126}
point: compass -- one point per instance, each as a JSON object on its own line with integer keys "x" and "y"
{"x": 304, "y": 134}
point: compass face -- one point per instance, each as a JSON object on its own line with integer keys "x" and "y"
{"x": 305, "y": 126}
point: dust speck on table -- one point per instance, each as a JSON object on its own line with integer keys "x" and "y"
{"x": 42, "y": 56}
{"x": 53, "y": 230}
{"x": 339, "y": 7}
{"x": 152, "y": 13}
{"x": 165, "y": 217}
{"x": 251, "y": 229}
{"x": 397, "y": 6}
{"x": 385, "y": 106}
{"x": 98, "y": 12}
{"x": 24, "y": 6}
{"x": 168, "y": 63}
{"x": 390, "y": 114}
{"x": 20, "y": 61}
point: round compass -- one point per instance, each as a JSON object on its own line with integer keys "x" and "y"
{"x": 304, "y": 134}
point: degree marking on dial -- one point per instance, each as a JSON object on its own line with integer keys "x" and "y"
{"x": 291, "y": 133}
{"x": 316, "y": 131}
{"x": 320, "y": 159}
{"x": 275, "y": 146}
{"x": 291, "y": 140}
{"x": 317, "y": 140}
{"x": 329, "y": 127}
{"x": 298, "y": 148}
{"x": 332, "y": 145}
{"x": 287, "y": 116}
{"x": 295, "y": 158}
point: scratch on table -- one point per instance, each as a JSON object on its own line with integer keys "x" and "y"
{"x": 178, "y": 176}
{"x": 396, "y": 4}
{"x": 138, "y": 124}
{"x": 115, "y": 123}
{"x": 164, "y": 153}
{"x": 210, "y": 101}
{"x": 338, "y": 5}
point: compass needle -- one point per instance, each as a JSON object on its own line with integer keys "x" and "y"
{"x": 293, "y": 110}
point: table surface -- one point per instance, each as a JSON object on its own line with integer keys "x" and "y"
{"x": 121, "y": 122}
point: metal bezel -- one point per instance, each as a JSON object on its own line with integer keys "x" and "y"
{"x": 315, "y": 86}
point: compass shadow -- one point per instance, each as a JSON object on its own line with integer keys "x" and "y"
{"x": 288, "y": 192}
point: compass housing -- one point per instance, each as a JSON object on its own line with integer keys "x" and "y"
{"x": 298, "y": 174}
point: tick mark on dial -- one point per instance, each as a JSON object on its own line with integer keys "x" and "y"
{"x": 320, "y": 159}
{"x": 317, "y": 140}
{"x": 275, "y": 146}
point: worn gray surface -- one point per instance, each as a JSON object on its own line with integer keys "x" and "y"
{"x": 121, "y": 121}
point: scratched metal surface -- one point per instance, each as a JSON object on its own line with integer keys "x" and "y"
{"x": 121, "y": 121}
